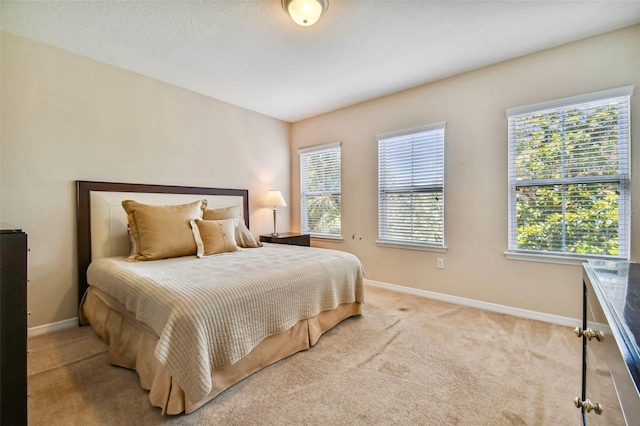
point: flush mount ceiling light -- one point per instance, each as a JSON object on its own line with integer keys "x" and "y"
{"x": 305, "y": 12}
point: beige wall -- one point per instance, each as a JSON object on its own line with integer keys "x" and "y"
{"x": 67, "y": 117}
{"x": 473, "y": 105}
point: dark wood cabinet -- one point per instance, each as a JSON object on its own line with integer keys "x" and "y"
{"x": 290, "y": 238}
{"x": 13, "y": 326}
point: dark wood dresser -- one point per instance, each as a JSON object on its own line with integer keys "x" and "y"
{"x": 610, "y": 335}
{"x": 13, "y": 326}
{"x": 290, "y": 238}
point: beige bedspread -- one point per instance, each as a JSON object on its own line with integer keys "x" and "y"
{"x": 212, "y": 311}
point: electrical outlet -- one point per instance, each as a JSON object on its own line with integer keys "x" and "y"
{"x": 440, "y": 263}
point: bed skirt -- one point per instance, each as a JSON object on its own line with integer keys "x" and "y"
{"x": 132, "y": 345}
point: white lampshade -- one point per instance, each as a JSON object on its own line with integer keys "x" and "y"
{"x": 305, "y": 12}
{"x": 275, "y": 199}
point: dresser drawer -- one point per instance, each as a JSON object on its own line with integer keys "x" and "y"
{"x": 601, "y": 353}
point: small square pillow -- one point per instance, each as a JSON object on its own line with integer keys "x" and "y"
{"x": 244, "y": 238}
{"x": 214, "y": 236}
{"x": 160, "y": 232}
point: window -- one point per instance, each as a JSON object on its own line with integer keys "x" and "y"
{"x": 411, "y": 187}
{"x": 320, "y": 183}
{"x": 569, "y": 176}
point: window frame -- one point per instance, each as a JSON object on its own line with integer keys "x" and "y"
{"x": 413, "y": 244}
{"x": 304, "y": 223}
{"x": 624, "y": 181}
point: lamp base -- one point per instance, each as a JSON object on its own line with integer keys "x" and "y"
{"x": 274, "y": 233}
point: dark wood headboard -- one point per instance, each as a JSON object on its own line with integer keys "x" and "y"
{"x": 83, "y": 213}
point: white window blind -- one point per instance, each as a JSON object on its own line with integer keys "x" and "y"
{"x": 411, "y": 187}
{"x": 320, "y": 190}
{"x": 569, "y": 175}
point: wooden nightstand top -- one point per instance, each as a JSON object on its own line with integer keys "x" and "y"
{"x": 291, "y": 238}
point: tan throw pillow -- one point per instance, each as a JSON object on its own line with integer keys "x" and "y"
{"x": 244, "y": 238}
{"x": 222, "y": 213}
{"x": 214, "y": 236}
{"x": 161, "y": 232}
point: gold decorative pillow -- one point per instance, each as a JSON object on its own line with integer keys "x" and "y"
{"x": 222, "y": 213}
{"x": 244, "y": 238}
{"x": 215, "y": 236}
{"x": 160, "y": 232}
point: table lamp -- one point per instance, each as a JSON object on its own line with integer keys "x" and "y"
{"x": 274, "y": 199}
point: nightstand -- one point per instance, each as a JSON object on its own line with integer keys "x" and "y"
{"x": 291, "y": 238}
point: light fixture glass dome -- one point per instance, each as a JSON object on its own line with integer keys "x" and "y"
{"x": 305, "y": 12}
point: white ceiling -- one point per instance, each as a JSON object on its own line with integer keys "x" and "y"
{"x": 249, "y": 53}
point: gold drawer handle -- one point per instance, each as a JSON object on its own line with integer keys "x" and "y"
{"x": 589, "y": 333}
{"x": 588, "y": 405}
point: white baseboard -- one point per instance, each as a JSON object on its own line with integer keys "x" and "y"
{"x": 487, "y": 306}
{"x": 51, "y": 327}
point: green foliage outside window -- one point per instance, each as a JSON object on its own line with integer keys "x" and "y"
{"x": 587, "y": 225}
{"x": 415, "y": 217}
{"x": 320, "y": 182}
{"x": 324, "y": 214}
{"x": 575, "y": 209}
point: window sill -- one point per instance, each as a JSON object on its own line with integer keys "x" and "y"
{"x": 550, "y": 258}
{"x": 327, "y": 238}
{"x": 408, "y": 246}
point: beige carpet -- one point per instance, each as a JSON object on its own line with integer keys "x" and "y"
{"x": 407, "y": 360}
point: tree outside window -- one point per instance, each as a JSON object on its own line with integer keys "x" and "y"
{"x": 569, "y": 179}
{"x": 320, "y": 190}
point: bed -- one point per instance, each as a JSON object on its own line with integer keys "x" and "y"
{"x": 193, "y": 325}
